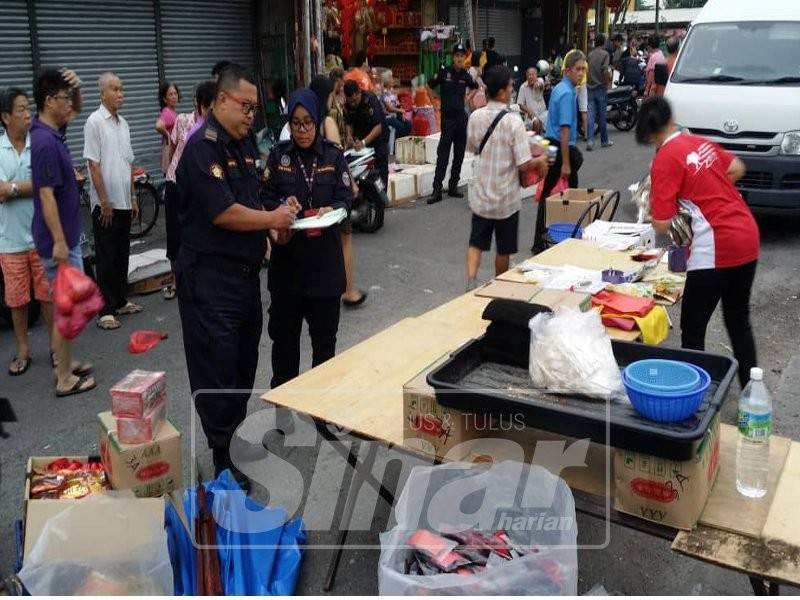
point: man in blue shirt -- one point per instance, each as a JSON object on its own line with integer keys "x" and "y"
{"x": 562, "y": 132}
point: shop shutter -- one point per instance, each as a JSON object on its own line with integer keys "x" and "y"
{"x": 505, "y": 25}
{"x": 16, "y": 68}
{"x": 198, "y": 33}
{"x": 92, "y": 36}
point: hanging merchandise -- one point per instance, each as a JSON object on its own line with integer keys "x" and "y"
{"x": 348, "y": 20}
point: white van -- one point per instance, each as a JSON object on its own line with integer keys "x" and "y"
{"x": 737, "y": 82}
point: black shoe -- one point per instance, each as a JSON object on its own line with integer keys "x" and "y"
{"x": 454, "y": 193}
{"x": 435, "y": 197}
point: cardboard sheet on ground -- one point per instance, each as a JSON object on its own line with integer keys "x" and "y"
{"x": 326, "y": 220}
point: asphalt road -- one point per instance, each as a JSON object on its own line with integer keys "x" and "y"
{"x": 414, "y": 264}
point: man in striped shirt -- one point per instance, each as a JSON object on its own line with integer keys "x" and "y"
{"x": 495, "y": 195}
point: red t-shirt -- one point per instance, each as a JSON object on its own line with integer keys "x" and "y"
{"x": 689, "y": 172}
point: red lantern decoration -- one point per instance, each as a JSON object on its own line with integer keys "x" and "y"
{"x": 614, "y": 5}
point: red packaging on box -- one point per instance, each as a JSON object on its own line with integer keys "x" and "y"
{"x": 137, "y": 393}
{"x": 140, "y": 430}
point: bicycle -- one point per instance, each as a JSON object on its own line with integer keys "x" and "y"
{"x": 148, "y": 198}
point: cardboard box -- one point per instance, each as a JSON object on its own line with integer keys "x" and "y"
{"x": 149, "y": 272}
{"x": 569, "y": 205}
{"x": 562, "y": 299}
{"x": 151, "y": 284}
{"x": 430, "y": 428}
{"x": 668, "y": 492}
{"x": 402, "y": 188}
{"x": 36, "y": 513}
{"x": 138, "y": 430}
{"x": 410, "y": 150}
{"x": 149, "y": 469}
{"x": 138, "y": 392}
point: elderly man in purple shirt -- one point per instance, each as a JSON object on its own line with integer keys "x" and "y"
{"x": 56, "y": 204}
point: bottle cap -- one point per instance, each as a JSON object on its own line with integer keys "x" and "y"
{"x": 756, "y": 374}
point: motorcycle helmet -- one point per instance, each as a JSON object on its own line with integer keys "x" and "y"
{"x": 543, "y": 67}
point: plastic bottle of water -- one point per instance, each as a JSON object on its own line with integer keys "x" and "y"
{"x": 755, "y": 424}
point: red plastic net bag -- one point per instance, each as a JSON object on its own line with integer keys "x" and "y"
{"x": 77, "y": 299}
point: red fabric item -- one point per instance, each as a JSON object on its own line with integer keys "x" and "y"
{"x": 561, "y": 185}
{"x": 689, "y": 171}
{"x": 142, "y": 341}
{"x": 619, "y": 323}
{"x": 420, "y": 125}
{"x": 77, "y": 299}
{"x": 622, "y": 304}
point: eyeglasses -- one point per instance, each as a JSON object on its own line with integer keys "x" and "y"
{"x": 304, "y": 125}
{"x": 248, "y": 108}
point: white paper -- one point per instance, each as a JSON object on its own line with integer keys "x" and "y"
{"x": 326, "y": 220}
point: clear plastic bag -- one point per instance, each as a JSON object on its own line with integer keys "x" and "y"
{"x": 106, "y": 544}
{"x": 570, "y": 353}
{"x": 533, "y": 506}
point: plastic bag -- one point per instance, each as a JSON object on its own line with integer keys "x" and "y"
{"x": 106, "y": 544}
{"x": 570, "y": 353}
{"x": 453, "y": 497}
{"x": 142, "y": 341}
{"x": 77, "y": 299}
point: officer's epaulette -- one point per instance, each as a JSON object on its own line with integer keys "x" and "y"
{"x": 211, "y": 134}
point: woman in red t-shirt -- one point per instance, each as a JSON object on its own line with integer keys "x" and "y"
{"x": 693, "y": 182}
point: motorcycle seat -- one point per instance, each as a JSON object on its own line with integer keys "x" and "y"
{"x": 622, "y": 90}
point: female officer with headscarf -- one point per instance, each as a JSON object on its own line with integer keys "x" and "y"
{"x": 306, "y": 273}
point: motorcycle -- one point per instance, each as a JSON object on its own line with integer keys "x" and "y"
{"x": 622, "y": 108}
{"x": 371, "y": 201}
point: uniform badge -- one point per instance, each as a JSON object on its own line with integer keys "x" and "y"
{"x": 346, "y": 178}
{"x": 216, "y": 170}
{"x": 211, "y": 134}
{"x": 285, "y": 160}
{"x": 265, "y": 174}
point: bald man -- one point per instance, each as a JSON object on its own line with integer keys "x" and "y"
{"x": 109, "y": 157}
{"x": 531, "y": 99}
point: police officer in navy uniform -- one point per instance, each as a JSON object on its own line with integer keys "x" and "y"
{"x": 223, "y": 238}
{"x": 453, "y": 82}
{"x": 365, "y": 120}
{"x": 306, "y": 272}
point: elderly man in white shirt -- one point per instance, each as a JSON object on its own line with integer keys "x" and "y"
{"x": 503, "y": 148}
{"x": 109, "y": 155}
{"x": 531, "y": 99}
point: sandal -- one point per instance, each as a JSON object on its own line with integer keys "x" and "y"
{"x": 355, "y": 303}
{"x": 21, "y": 365}
{"x": 130, "y": 309}
{"x": 84, "y": 384}
{"x": 78, "y": 368}
{"x": 108, "y": 322}
{"x": 169, "y": 292}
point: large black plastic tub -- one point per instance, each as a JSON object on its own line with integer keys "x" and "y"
{"x": 474, "y": 380}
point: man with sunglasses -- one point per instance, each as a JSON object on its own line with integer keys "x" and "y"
{"x": 223, "y": 238}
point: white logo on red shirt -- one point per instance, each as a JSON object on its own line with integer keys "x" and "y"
{"x": 704, "y": 157}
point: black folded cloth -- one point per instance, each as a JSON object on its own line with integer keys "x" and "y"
{"x": 507, "y": 338}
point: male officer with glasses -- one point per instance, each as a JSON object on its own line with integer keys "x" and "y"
{"x": 224, "y": 229}
{"x": 366, "y": 126}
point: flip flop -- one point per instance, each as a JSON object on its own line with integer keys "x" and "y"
{"x": 78, "y": 368}
{"x": 130, "y": 309}
{"x": 355, "y": 303}
{"x": 108, "y": 322}
{"x": 24, "y": 362}
{"x": 84, "y": 384}
{"x": 169, "y": 292}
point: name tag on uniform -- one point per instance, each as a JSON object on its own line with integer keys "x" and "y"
{"x": 327, "y": 169}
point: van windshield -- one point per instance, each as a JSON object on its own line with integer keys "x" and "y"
{"x": 750, "y": 53}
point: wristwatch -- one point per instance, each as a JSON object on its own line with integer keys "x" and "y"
{"x": 14, "y": 191}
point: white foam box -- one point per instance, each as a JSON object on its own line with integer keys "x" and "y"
{"x": 410, "y": 150}
{"x": 402, "y": 188}
{"x": 431, "y": 147}
{"x": 424, "y": 178}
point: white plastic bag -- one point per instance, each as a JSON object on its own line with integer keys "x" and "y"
{"x": 531, "y": 504}
{"x": 570, "y": 353}
{"x": 105, "y": 544}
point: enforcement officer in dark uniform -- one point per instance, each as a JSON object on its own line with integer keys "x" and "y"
{"x": 365, "y": 120}
{"x": 453, "y": 82}
{"x": 306, "y": 272}
{"x": 223, "y": 238}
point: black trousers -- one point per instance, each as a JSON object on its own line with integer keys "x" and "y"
{"x": 454, "y": 133}
{"x": 704, "y": 290}
{"x": 286, "y": 314}
{"x": 112, "y": 249}
{"x": 220, "y": 307}
{"x": 171, "y": 216}
{"x": 550, "y": 180}
{"x": 382, "y": 161}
